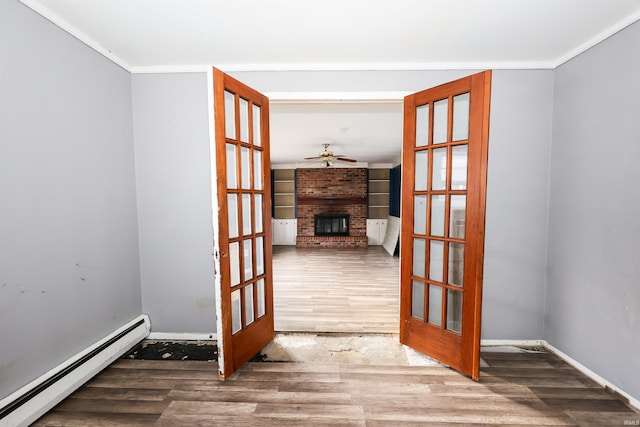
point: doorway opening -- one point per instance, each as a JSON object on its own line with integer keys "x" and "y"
{"x": 334, "y": 290}
{"x": 450, "y": 121}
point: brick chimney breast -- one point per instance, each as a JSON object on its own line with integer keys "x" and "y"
{"x": 332, "y": 191}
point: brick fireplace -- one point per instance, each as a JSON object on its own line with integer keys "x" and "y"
{"x": 332, "y": 192}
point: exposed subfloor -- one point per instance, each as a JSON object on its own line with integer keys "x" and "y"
{"x": 366, "y": 349}
{"x": 174, "y": 350}
{"x": 362, "y": 349}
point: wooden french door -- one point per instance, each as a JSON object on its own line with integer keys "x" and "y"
{"x": 244, "y": 284}
{"x": 444, "y": 168}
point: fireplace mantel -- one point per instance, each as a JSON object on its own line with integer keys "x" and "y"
{"x": 332, "y": 200}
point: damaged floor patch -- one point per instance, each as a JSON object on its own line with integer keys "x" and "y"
{"x": 363, "y": 349}
{"x": 174, "y": 350}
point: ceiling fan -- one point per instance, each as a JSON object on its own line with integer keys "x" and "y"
{"x": 327, "y": 157}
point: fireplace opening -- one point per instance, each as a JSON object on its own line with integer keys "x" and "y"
{"x": 331, "y": 225}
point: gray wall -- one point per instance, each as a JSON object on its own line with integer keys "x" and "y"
{"x": 593, "y": 291}
{"x": 518, "y": 179}
{"x": 174, "y": 205}
{"x": 69, "y": 271}
{"x": 173, "y": 174}
{"x": 517, "y": 205}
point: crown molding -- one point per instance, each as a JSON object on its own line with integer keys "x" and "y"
{"x": 394, "y": 66}
{"x": 173, "y": 69}
{"x": 37, "y": 7}
{"x": 597, "y": 39}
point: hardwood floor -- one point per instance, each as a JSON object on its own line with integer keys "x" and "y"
{"x": 517, "y": 389}
{"x": 341, "y": 291}
{"x": 336, "y": 290}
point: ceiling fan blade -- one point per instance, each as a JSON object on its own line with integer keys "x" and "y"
{"x": 313, "y": 158}
{"x": 344, "y": 159}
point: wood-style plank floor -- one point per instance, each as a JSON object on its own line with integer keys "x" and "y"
{"x": 517, "y": 389}
{"x": 336, "y": 290}
{"x": 325, "y": 290}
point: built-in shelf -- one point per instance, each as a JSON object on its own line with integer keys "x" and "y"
{"x": 284, "y": 193}
{"x": 378, "y": 195}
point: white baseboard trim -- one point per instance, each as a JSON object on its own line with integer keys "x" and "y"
{"x": 515, "y": 343}
{"x": 635, "y": 403}
{"x": 182, "y": 336}
{"x": 21, "y": 409}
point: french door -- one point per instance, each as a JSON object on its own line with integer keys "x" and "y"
{"x": 244, "y": 282}
{"x": 445, "y": 147}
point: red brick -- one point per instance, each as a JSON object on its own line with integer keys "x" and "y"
{"x": 332, "y": 183}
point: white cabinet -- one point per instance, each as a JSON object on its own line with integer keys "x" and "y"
{"x": 376, "y": 228}
{"x": 284, "y": 231}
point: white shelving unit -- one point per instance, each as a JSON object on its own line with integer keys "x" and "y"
{"x": 378, "y": 199}
{"x": 284, "y": 189}
{"x": 378, "y": 193}
{"x": 284, "y": 207}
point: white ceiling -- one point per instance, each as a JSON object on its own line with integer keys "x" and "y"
{"x": 367, "y": 132}
{"x": 320, "y": 34}
{"x": 237, "y": 35}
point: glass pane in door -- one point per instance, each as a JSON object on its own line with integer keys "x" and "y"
{"x": 435, "y": 305}
{"x": 244, "y": 120}
{"x": 461, "y": 117}
{"x": 422, "y": 125}
{"x": 459, "y": 155}
{"x": 439, "y": 169}
{"x": 436, "y": 259}
{"x": 232, "y": 205}
{"x": 245, "y": 167}
{"x": 256, "y": 125}
{"x": 422, "y": 170}
{"x": 437, "y": 215}
{"x": 258, "y": 214}
{"x": 234, "y": 261}
{"x": 419, "y": 256}
{"x": 440, "y": 121}
{"x": 257, "y": 170}
{"x": 248, "y": 304}
{"x": 236, "y": 311}
{"x": 261, "y": 298}
{"x": 229, "y": 115}
{"x": 454, "y": 310}
{"x": 458, "y": 212}
{"x": 420, "y": 214}
{"x": 259, "y": 256}
{"x": 246, "y": 214}
{"x": 248, "y": 260}
{"x": 232, "y": 181}
{"x": 417, "y": 299}
{"x": 456, "y": 264}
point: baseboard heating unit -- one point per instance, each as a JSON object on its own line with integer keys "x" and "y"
{"x": 36, "y": 398}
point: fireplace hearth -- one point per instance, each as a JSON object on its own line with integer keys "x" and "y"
{"x": 331, "y": 225}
